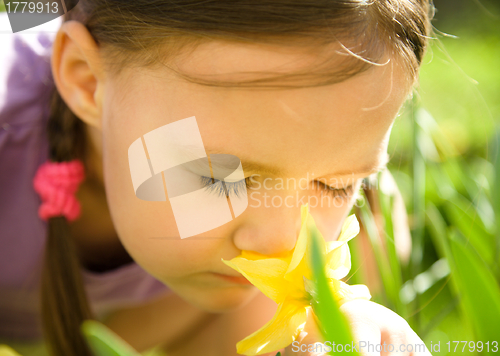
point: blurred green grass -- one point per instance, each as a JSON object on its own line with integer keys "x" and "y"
{"x": 459, "y": 86}
{"x": 459, "y": 77}
{"x": 445, "y": 162}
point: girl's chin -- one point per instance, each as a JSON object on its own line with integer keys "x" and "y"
{"x": 223, "y": 300}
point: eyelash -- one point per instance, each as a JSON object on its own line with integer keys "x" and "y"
{"x": 336, "y": 192}
{"x": 236, "y": 188}
{"x": 217, "y": 187}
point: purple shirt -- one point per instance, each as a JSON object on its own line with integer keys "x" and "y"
{"x": 25, "y": 86}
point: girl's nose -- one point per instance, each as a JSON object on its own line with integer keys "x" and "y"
{"x": 268, "y": 230}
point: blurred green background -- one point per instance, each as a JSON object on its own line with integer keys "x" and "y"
{"x": 444, "y": 160}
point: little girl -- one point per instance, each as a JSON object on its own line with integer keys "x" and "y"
{"x": 302, "y": 94}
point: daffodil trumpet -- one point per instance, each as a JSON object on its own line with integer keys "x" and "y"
{"x": 287, "y": 280}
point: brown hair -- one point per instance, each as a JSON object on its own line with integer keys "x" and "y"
{"x": 149, "y": 32}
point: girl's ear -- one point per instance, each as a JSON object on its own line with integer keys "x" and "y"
{"x": 78, "y": 71}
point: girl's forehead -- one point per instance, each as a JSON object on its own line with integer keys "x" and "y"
{"x": 229, "y": 61}
{"x": 364, "y": 94}
{"x": 324, "y": 129}
{"x": 233, "y": 61}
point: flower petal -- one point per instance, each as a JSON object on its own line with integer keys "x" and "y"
{"x": 349, "y": 229}
{"x": 338, "y": 262}
{"x": 344, "y": 292}
{"x": 310, "y": 288}
{"x": 299, "y": 264}
{"x": 301, "y": 244}
{"x": 266, "y": 275}
{"x": 250, "y": 255}
{"x": 279, "y": 332}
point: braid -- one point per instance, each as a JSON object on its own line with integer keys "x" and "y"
{"x": 64, "y": 303}
{"x": 65, "y": 132}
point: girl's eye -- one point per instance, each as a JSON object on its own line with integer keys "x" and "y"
{"x": 224, "y": 189}
{"x": 335, "y": 192}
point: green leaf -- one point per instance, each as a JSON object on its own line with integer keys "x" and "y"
{"x": 463, "y": 215}
{"x": 496, "y": 195}
{"x": 478, "y": 287}
{"x": 105, "y": 342}
{"x": 423, "y": 124}
{"x": 387, "y": 205}
{"x": 368, "y": 221}
{"x": 437, "y": 230}
{"x": 332, "y": 323}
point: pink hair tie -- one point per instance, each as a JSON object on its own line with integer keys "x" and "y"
{"x": 57, "y": 183}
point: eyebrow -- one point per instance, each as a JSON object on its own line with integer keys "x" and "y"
{"x": 257, "y": 167}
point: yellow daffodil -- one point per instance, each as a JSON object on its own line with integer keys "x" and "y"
{"x": 287, "y": 279}
{"x": 7, "y": 351}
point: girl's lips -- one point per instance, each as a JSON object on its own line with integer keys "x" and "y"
{"x": 233, "y": 279}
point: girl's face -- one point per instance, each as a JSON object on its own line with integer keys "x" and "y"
{"x": 336, "y": 134}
